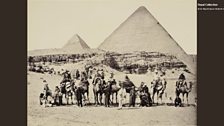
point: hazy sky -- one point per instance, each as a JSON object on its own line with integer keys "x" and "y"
{"x": 51, "y": 23}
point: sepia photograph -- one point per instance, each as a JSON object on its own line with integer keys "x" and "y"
{"x": 112, "y": 63}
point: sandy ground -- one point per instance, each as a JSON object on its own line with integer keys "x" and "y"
{"x": 72, "y": 115}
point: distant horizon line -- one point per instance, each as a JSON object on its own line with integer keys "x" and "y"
{"x": 89, "y": 48}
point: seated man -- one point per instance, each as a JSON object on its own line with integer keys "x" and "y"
{"x": 145, "y": 95}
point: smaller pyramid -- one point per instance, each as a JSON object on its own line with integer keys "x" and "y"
{"x": 76, "y": 45}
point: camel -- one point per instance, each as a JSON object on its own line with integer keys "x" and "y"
{"x": 158, "y": 88}
{"x": 183, "y": 88}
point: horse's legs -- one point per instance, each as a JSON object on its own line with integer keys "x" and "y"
{"x": 96, "y": 99}
{"x": 112, "y": 98}
{"x": 67, "y": 98}
{"x": 101, "y": 99}
{"x": 71, "y": 98}
{"x": 161, "y": 99}
{"x": 153, "y": 95}
{"x": 157, "y": 96}
{"x": 183, "y": 97}
{"x": 88, "y": 95}
{"x": 116, "y": 97}
{"x": 187, "y": 98}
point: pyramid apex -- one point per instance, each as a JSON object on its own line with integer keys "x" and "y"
{"x": 142, "y": 8}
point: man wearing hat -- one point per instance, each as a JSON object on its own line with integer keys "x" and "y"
{"x": 182, "y": 77}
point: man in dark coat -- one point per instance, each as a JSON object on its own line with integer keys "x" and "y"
{"x": 79, "y": 96}
{"x": 107, "y": 92}
{"x": 132, "y": 97}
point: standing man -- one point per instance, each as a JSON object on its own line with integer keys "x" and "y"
{"x": 122, "y": 96}
{"x": 107, "y": 92}
{"x": 132, "y": 97}
{"x": 78, "y": 93}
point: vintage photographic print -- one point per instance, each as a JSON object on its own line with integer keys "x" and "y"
{"x": 112, "y": 63}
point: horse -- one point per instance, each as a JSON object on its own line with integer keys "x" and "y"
{"x": 182, "y": 87}
{"x": 98, "y": 90}
{"x": 158, "y": 88}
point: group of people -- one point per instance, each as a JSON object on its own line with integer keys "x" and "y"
{"x": 127, "y": 87}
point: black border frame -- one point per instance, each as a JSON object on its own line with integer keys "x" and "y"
{"x": 210, "y": 26}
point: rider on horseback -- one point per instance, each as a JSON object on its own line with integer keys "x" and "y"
{"x": 156, "y": 77}
{"x": 181, "y": 81}
{"x": 66, "y": 77}
{"x": 111, "y": 79}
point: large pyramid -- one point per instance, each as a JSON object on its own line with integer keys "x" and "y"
{"x": 142, "y": 32}
{"x": 76, "y": 45}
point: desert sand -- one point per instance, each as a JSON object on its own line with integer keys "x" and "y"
{"x": 71, "y": 115}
